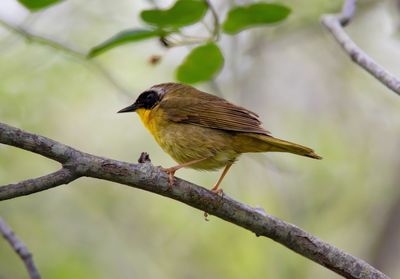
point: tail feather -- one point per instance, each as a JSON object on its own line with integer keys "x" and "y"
{"x": 271, "y": 144}
{"x": 286, "y": 146}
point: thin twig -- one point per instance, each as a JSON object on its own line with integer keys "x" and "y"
{"x": 184, "y": 40}
{"x": 30, "y": 186}
{"x": 348, "y": 11}
{"x": 216, "y": 30}
{"x": 19, "y": 248}
{"x": 77, "y": 54}
{"x": 149, "y": 178}
{"x": 335, "y": 24}
{"x": 187, "y": 40}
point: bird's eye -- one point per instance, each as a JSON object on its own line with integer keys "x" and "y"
{"x": 149, "y": 99}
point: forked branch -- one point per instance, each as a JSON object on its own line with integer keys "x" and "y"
{"x": 149, "y": 178}
{"x": 335, "y": 24}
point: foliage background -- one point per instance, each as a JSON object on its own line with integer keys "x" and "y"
{"x": 294, "y": 75}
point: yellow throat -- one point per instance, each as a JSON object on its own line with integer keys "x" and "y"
{"x": 146, "y": 118}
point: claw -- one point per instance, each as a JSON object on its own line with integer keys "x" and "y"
{"x": 171, "y": 171}
{"x": 171, "y": 177}
{"x": 217, "y": 191}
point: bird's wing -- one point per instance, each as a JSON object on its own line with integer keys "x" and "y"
{"x": 209, "y": 111}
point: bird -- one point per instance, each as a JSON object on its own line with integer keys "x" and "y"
{"x": 204, "y": 132}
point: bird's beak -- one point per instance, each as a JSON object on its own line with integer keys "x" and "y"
{"x": 131, "y": 108}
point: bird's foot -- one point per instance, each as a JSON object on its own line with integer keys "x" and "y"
{"x": 217, "y": 191}
{"x": 171, "y": 175}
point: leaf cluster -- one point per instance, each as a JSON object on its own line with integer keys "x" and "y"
{"x": 205, "y": 60}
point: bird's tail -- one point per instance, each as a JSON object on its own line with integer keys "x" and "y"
{"x": 266, "y": 143}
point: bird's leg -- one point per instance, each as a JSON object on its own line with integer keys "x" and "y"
{"x": 215, "y": 189}
{"x": 171, "y": 171}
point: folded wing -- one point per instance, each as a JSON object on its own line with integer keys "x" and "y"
{"x": 209, "y": 111}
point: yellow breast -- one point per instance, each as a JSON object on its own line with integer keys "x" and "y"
{"x": 152, "y": 120}
{"x": 185, "y": 142}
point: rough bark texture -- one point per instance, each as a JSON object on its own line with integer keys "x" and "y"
{"x": 149, "y": 178}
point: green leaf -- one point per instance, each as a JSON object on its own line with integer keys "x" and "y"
{"x": 182, "y": 13}
{"x": 201, "y": 64}
{"x": 124, "y": 37}
{"x": 243, "y": 17}
{"x": 35, "y": 5}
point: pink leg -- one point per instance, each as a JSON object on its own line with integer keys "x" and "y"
{"x": 215, "y": 189}
{"x": 171, "y": 171}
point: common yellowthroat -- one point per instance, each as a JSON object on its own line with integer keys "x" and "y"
{"x": 202, "y": 131}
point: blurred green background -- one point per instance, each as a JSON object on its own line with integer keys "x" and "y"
{"x": 294, "y": 75}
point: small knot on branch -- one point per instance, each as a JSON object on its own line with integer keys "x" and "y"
{"x": 144, "y": 158}
{"x": 261, "y": 211}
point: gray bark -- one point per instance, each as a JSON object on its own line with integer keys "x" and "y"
{"x": 145, "y": 176}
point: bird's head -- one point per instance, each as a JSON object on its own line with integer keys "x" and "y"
{"x": 152, "y": 96}
{"x": 146, "y": 100}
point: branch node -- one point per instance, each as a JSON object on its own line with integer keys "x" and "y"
{"x": 335, "y": 24}
{"x": 261, "y": 211}
{"x": 144, "y": 158}
{"x": 347, "y": 13}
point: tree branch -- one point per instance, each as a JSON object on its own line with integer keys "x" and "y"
{"x": 149, "y": 178}
{"x": 80, "y": 55}
{"x": 20, "y": 249}
{"x": 335, "y": 24}
{"x": 30, "y": 186}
